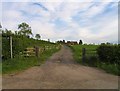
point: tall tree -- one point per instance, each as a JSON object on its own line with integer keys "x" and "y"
{"x": 64, "y": 41}
{"x": 48, "y": 40}
{"x": 37, "y": 36}
{"x": 25, "y": 29}
{"x": 80, "y": 42}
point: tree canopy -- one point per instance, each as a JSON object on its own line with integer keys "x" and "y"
{"x": 24, "y": 29}
{"x": 37, "y": 36}
{"x": 80, "y": 42}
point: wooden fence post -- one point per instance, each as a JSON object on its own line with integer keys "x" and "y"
{"x": 83, "y": 55}
{"x": 37, "y": 51}
{"x": 1, "y": 44}
{"x": 11, "y": 47}
{"x": 44, "y": 48}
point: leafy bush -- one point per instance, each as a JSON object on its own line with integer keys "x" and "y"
{"x": 19, "y": 43}
{"x": 109, "y": 56}
{"x": 5, "y": 48}
{"x": 109, "y": 53}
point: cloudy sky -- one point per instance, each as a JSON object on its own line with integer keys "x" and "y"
{"x": 90, "y": 20}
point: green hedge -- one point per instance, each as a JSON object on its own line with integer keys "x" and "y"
{"x": 18, "y": 45}
{"x": 109, "y": 53}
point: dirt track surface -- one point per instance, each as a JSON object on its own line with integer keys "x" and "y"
{"x": 61, "y": 72}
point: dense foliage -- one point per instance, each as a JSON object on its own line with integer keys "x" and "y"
{"x": 109, "y": 53}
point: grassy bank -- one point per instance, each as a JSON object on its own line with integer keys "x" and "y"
{"x": 92, "y": 58}
{"x": 21, "y": 63}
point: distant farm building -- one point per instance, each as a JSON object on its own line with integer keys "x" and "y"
{"x": 68, "y": 42}
{"x": 61, "y": 42}
{"x": 72, "y": 43}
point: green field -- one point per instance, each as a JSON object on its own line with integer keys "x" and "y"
{"x": 21, "y": 63}
{"x": 77, "y": 51}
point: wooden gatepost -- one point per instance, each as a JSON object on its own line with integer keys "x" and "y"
{"x": 83, "y": 55}
{"x": 36, "y": 51}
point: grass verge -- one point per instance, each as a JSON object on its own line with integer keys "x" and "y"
{"x": 20, "y": 63}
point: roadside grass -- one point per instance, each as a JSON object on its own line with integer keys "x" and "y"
{"x": 21, "y": 63}
{"x": 110, "y": 68}
{"x": 93, "y": 60}
{"x": 18, "y": 64}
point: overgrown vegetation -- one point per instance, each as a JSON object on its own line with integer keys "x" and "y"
{"x": 109, "y": 53}
{"x": 20, "y": 41}
{"x": 102, "y": 56}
